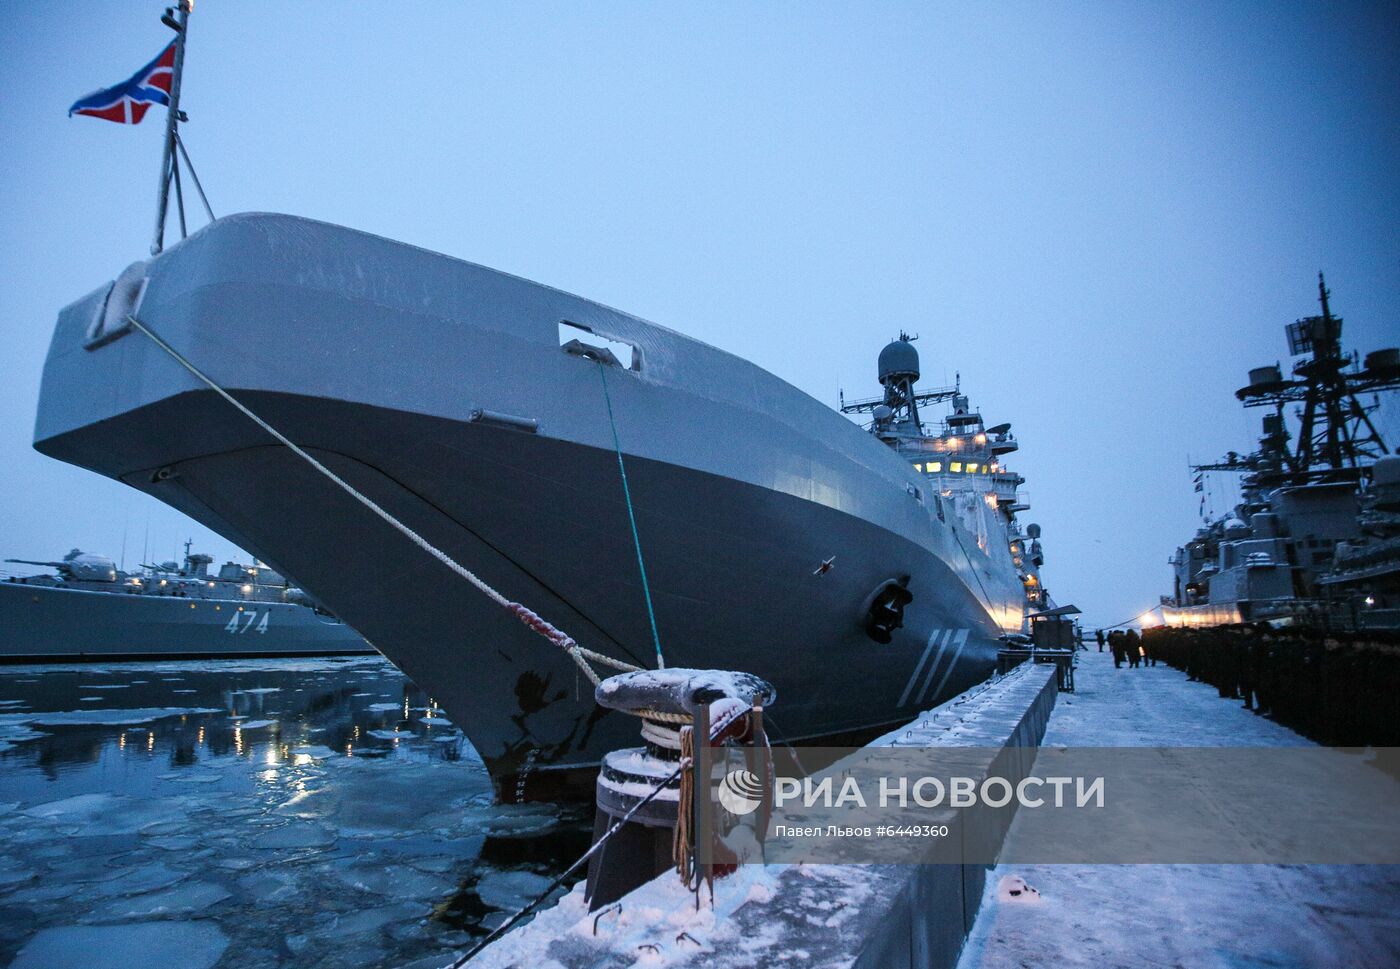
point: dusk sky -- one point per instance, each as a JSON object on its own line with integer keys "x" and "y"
{"x": 1101, "y": 215}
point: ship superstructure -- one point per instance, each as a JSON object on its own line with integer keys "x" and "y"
{"x": 961, "y": 459}
{"x": 1312, "y": 537}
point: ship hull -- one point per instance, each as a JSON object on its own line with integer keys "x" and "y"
{"x": 741, "y": 486}
{"x": 43, "y": 623}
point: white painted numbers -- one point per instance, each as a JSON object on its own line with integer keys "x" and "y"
{"x": 253, "y": 622}
{"x": 957, "y": 638}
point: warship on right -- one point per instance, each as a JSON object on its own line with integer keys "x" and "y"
{"x": 1315, "y": 539}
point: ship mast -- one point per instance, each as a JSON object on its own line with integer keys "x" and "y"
{"x": 1336, "y": 430}
{"x": 177, "y": 19}
{"x": 899, "y": 404}
{"x": 1337, "y": 439}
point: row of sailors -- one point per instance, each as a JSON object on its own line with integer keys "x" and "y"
{"x": 1338, "y": 689}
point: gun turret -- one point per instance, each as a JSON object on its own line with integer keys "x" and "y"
{"x": 80, "y": 565}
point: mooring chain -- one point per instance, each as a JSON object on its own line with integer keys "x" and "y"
{"x": 528, "y": 617}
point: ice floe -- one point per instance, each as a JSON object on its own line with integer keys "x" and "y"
{"x": 137, "y": 880}
{"x": 16, "y": 731}
{"x": 161, "y": 945}
{"x": 510, "y": 890}
{"x": 296, "y": 835}
{"x": 73, "y": 718}
{"x": 185, "y": 899}
{"x": 394, "y": 880}
{"x": 106, "y": 814}
{"x": 315, "y": 751}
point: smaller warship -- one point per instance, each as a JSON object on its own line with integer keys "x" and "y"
{"x": 88, "y": 608}
{"x": 1315, "y": 538}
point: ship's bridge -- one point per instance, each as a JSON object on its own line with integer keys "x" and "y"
{"x": 963, "y": 456}
{"x": 966, "y": 458}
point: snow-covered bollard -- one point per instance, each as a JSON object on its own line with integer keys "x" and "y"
{"x": 652, "y": 786}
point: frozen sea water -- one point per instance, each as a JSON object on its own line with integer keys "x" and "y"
{"x": 251, "y": 813}
{"x": 161, "y": 945}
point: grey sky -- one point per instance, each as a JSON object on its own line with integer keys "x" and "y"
{"x": 1101, "y": 215}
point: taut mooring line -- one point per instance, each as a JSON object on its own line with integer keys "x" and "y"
{"x": 527, "y": 616}
{"x": 632, "y": 518}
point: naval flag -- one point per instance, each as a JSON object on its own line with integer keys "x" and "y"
{"x": 127, "y": 102}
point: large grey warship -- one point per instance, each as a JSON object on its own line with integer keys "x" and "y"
{"x": 866, "y": 572}
{"x": 1315, "y": 538}
{"x": 88, "y": 608}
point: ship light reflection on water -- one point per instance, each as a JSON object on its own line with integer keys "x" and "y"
{"x": 304, "y": 803}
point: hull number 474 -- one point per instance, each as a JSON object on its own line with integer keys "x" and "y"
{"x": 253, "y": 622}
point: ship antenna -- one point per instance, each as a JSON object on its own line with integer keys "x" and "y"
{"x": 1322, "y": 294}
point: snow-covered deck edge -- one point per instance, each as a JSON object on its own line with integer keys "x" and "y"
{"x": 864, "y": 916}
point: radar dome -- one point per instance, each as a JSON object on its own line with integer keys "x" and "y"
{"x": 899, "y": 360}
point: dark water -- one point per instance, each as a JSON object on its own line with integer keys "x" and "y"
{"x": 252, "y": 813}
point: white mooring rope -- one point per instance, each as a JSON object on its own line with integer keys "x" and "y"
{"x": 527, "y": 616}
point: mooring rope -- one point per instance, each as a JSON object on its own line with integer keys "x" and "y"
{"x": 631, "y": 517}
{"x": 510, "y": 923}
{"x": 682, "y": 848}
{"x": 528, "y": 617}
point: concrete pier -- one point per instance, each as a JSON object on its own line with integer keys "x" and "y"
{"x": 1179, "y": 915}
{"x": 869, "y": 916}
{"x": 972, "y": 917}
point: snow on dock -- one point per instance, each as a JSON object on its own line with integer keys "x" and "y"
{"x": 1179, "y": 915}
{"x": 800, "y": 915}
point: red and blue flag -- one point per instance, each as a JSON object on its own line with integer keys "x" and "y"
{"x": 127, "y": 102}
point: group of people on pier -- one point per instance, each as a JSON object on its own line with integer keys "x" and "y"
{"x": 1339, "y": 689}
{"x": 1127, "y": 647}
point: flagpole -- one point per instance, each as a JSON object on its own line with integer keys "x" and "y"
{"x": 172, "y": 119}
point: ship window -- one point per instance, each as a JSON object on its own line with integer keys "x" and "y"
{"x": 919, "y": 468}
{"x": 581, "y": 341}
{"x": 955, "y": 467}
{"x": 972, "y": 469}
{"x": 935, "y": 466}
